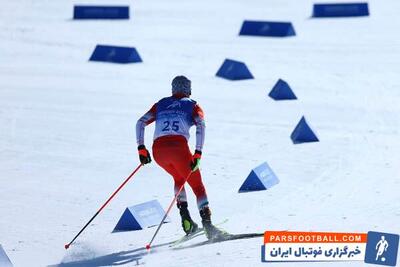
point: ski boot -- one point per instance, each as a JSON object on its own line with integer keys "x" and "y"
{"x": 212, "y": 232}
{"x": 188, "y": 225}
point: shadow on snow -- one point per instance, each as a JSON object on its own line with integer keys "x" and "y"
{"x": 113, "y": 259}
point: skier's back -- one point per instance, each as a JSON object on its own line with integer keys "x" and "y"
{"x": 174, "y": 115}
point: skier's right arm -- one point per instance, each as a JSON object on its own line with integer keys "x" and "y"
{"x": 145, "y": 120}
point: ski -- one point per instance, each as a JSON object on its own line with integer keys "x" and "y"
{"x": 199, "y": 232}
{"x": 185, "y": 238}
{"x": 224, "y": 238}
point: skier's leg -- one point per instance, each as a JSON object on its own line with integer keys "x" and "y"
{"x": 211, "y": 231}
{"x": 181, "y": 163}
{"x": 178, "y": 182}
{"x": 166, "y": 156}
{"x": 195, "y": 181}
{"x": 188, "y": 225}
{"x": 197, "y": 185}
{"x": 198, "y": 188}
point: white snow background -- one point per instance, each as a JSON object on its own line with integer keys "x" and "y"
{"x": 67, "y": 135}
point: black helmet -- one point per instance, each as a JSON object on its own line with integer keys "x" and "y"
{"x": 181, "y": 85}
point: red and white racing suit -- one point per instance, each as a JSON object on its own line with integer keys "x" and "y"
{"x": 174, "y": 116}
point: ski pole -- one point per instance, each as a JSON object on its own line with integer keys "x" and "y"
{"x": 105, "y": 204}
{"x": 148, "y": 246}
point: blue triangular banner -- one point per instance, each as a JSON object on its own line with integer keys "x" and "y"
{"x": 252, "y": 183}
{"x": 303, "y": 133}
{"x": 101, "y": 12}
{"x": 234, "y": 70}
{"x": 260, "y": 178}
{"x": 282, "y": 91}
{"x": 127, "y": 222}
{"x": 267, "y": 28}
{"x": 333, "y": 10}
{"x": 115, "y": 54}
{"x": 141, "y": 216}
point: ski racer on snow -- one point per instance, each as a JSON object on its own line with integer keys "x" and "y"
{"x": 174, "y": 115}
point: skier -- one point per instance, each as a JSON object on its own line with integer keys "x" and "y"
{"x": 174, "y": 115}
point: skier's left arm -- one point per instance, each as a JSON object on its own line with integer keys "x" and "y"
{"x": 198, "y": 117}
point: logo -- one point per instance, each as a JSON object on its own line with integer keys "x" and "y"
{"x": 382, "y": 248}
{"x": 175, "y": 104}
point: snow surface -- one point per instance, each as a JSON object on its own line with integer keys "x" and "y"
{"x": 67, "y": 126}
